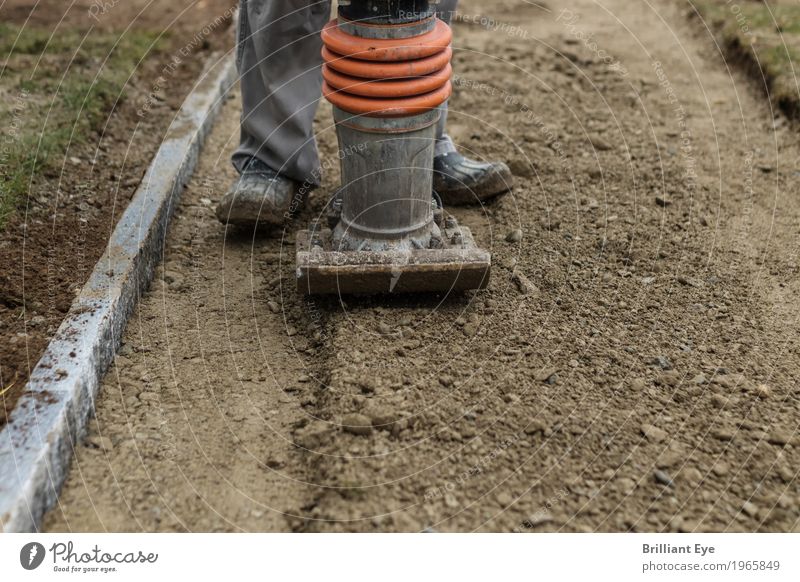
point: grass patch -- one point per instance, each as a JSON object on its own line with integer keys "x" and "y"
{"x": 765, "y": 37}
{"x": 751, "y": 17}
{"x": 58, "y": 89}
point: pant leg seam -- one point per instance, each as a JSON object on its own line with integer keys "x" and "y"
{"x": 243, "y": 28}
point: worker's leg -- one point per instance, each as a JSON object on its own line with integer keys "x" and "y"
{"x": 278, "y": 55}
{"x": 444, "y": 144}
{"x": 459, "y": 180}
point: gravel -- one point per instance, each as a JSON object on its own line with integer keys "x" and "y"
{"x": 514, "y": 236}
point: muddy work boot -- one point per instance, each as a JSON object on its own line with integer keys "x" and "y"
{"x": 460, "y": 181}
{"x": 260, "y": 196}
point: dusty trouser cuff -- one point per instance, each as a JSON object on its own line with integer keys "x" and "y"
{"x": 444, "y": 145}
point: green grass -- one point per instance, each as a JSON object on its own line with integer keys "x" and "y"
{"x": 766, "y": 36}
{"x": 741, "y": 15}
{"x": 65, "y": 100}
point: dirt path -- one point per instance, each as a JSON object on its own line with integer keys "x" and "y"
{"x": 645, "y": 382}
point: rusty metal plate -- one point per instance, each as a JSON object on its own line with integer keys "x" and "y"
{"x": 455, "y": 267}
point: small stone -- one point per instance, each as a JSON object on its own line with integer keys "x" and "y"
{"x": 314, "y": 435}
{"x": 779, "y": 437}
{"x": 661, "y": 362}
{"x": 446, "y": 380}
{"x": 663, "y": 478}
{"x": 720, "y": 469}
{"x": 626, "y": 485}
{"x": 670, "y": 458}
{"x": 450, "y": 500}
{"x": 669, "y": 378}
{"x": 749, "y": 508}
{"x": 382, "y": 418}
{"x": 653, "y": 433}
{"x": 676, "y": 524}
{"x": 733, "y": 382}
{"x": 638, "y": 384}
{"x": 763, "y": 391}
{"x": 470, "y": 329}
{"x": 724, "y": 434}
{"x": 36, "y": 321}
{"x": 504, "y": 499}
{"x": 535, "y": 426}
{"x": 663, "y": 202}
{"x": 273, "y": 307}
{"x": 600, "y": 144}
{"x": 719, "y": 401}
{"x": 547, "y": 375}
{"x": 692, "y": 475}
{"x": 384, "y": 329}
{"x": 688, "y": 281}
{"x": 357, "y": 424}
{"x": 367, "y": 385}
{"x": 786, "y": 474}
{"x": 514, "y": 236}
{"x": 699, "y": 379}
{"x": 275, "y": 461}
{"x": 524, "y": 285}
{"x": 291, "y": 331}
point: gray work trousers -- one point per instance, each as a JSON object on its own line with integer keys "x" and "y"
{"x": 278, "y": 57}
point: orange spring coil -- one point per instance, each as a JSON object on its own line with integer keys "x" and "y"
{"x": 386, "y": 77}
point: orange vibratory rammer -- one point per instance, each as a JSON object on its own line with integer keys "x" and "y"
{"x": 387, "y": 74}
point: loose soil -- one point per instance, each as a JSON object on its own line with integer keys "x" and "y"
{"x": 50, "y": 245}
{"x": 631, "y": 367}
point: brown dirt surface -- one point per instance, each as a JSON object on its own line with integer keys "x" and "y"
{"x": 644, "y": 378}
{"x": 70, "y": 205}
